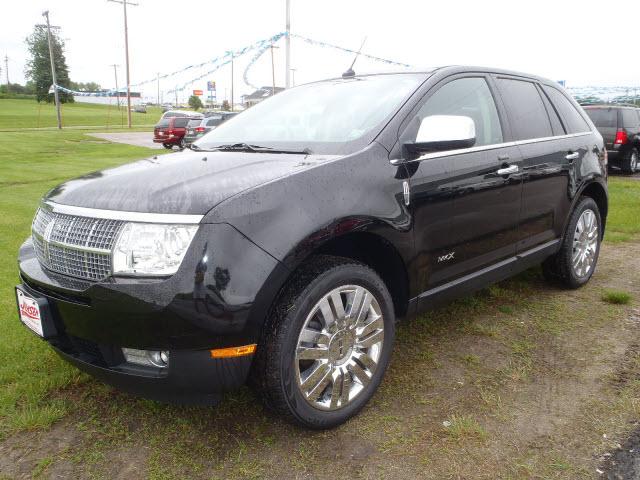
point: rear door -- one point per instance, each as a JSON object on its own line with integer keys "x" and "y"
{"x": 545, "y": 161}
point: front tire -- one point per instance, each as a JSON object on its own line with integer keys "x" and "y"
{"x": 576, "y": 260}
{"x": 328, "y": 343}
{"x": 168, "y": 146}
{"x": 630, "y": 161}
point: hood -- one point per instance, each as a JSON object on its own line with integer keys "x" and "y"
{"x": 181, "y": 183}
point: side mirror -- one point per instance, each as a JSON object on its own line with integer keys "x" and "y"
{"x": 439, "y": 133}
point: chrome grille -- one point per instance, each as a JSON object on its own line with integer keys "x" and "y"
{"x": 73, "y": 245}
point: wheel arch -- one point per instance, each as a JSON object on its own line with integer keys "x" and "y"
{"x": 598, "y": 193}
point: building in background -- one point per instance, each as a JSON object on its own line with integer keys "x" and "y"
{"x": 259, "y": 95}
{"x": 110, "y": 98}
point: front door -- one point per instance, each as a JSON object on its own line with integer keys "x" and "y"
{"x": 464, "y": 203}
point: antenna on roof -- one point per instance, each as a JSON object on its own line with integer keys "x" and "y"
{"x": 350, "y": 73}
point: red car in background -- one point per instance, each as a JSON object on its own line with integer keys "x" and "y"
{"x": 170, "y": 131}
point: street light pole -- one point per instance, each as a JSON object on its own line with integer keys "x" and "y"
{"x": 293, "y": 77}
{"x": 115, "y": 72}
{"x": 126, "y": 49}
{"x": 287, "y": 42}
{"x": 56, "y": 96}
{"x": 158, "y": 95}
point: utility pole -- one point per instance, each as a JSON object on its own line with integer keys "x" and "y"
{"x": 6, "y": 70}
{"x": 158, "y": 97}
{"x": 293, "y": 77}
{"x": 287, "y": 42}
{"x": 273, "y": 72}
{"x": 232, "y": 81}
{"x": 115, "y": 72}
{"x": 126, "y": 50}
{"x": 56, "y": 96}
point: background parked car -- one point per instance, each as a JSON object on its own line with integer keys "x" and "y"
{"x": 620, "y": 129}
{"x": 170, "y": 131}
{"x": 181, "y": 113}
{"x": 198, "y": 127}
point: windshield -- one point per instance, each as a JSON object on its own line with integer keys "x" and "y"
{"x": 329, "y": 117}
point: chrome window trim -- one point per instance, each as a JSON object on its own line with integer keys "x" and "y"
{"x": 141, "y": 217}
{"x": 461, "y": 151}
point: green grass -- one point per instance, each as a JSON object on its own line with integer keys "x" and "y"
{"x": 30, "y": 164}
{"x": 20, "y": 114}
{"x": 616, "y": 297}
{"x": 623, "y": 222}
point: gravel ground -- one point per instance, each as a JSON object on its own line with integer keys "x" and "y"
{"x": 139, "y": 139}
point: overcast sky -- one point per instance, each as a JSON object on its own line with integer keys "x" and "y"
{"x": 561, "y": 40}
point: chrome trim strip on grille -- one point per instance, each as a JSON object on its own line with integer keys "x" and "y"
{"x": 461, "y": 151}
{"x": 124, "y": 216}
{"x": 71, "y": 246}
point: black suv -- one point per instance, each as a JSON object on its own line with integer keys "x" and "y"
{"x": 620, "y": 129}
{"x": 285, "y": 247}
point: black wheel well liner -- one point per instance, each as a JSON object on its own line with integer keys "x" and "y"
{"x": 596, "y": 191}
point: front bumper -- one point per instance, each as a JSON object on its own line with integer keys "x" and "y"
{"x": 94, "y": 320}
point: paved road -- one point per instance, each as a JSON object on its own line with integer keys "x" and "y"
{"x": 139, "y": 139}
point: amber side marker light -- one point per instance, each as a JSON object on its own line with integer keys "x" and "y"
{"x": 233, "y": 351}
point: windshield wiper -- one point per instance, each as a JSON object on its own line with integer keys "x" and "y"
{"x": 245, "y": 147}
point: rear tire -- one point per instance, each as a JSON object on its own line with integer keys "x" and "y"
{"x": 630, "y": 161}
{"x": 574, "y": 264}
{"x": 168, "y": 146}
{"x": 317, "y": 373}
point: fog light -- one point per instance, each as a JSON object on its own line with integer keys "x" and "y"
{"x": 148, "y": 358}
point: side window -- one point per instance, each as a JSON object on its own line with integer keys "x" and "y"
{"x": 526, "y": 111}
{"x": 573, "y": 121}
{"x": 469, "y": 97}
{"x": 180, "y": 122}
{"x": 556, "y": 124}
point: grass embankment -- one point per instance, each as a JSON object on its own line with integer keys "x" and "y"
{"x": 27, "y": 113}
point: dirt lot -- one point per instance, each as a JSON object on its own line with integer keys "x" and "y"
{"x": 522, "y": 380}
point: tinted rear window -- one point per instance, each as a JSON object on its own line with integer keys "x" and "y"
{"x": 194, "y": 123}
{"x": 163, "y": 123}
{"x": 526, "y": 111}
{"x": 630, "y": 118}
{"x": 603, "y": 117}
{"x": 573, "y": 121}
{"x": 180, "y": 122}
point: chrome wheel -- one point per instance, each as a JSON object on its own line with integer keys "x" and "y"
{"x": 634, "y": 162}
{"x": 585, "y": 243}
{"x": 339, "y": 347}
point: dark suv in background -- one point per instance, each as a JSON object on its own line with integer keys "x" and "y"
{"x": 198, "y": 127}
{"x": 620, "y": 129}
{"x": 284, "y": 249}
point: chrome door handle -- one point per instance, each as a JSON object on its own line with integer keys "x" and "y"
{"x": 572, "y": 156}
{"x": 511, "y": 169}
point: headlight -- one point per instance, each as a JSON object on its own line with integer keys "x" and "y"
{"x": 151, "y": 249}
